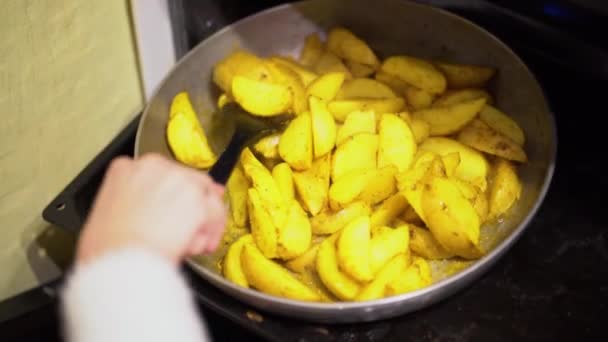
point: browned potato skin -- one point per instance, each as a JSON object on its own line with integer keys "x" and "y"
{"x": 480, "y": 136}
{"x": 465, "y": 76}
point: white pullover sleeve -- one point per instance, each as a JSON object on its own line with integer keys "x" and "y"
{"x": 129, "y": 296}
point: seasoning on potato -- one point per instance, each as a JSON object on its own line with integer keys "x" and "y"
{"x": 390, "y": 165}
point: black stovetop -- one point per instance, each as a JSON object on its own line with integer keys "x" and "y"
{"x": 552, "y": 285}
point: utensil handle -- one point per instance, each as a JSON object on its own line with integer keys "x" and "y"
{"x": 221, "y": 170}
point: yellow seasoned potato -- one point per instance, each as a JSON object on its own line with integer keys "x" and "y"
{"x": 341, "y": 108}
{"x": 185, "y": 135}
{"x": 268, "y": 146}
{"x": 326, "y": 86}
{"x": 505, "y": 189}
{"x": 396, "y": 143}
{"x": 329, "y": 62}
{"x": 416, "y": 72}
{"x": 451, "y": 218}
{"x": 423, "y": 243}
{"x": 357, "y": 153}
{"x": 223, "y": 100}
{"x": 397, "y": 85}
{"x": 263, "y": 230}
{"x": 450, "y": 119}
{"x": 237, "y": 187}
{"x": 410, "y": 216}
{"x": 386, "y": 243}
{"x": 295, "y": 145}
{"x": 481, "y": 206}
{"x": 270, "y": 277}
{"x": 456, "y": 96}
{"x": 312, "y": 185}
{"x": 312, "y": 50}
{"x": 416, "y": 276}
{"x": 239, "y": 63}
{"x": 465, "y": 76}
{"x": 473, "y": 165}
{"x": 451, "y": 162}
{"x": 381, "y": 185}
{"x": 377, "y": 287}
{"x": 412, "y": 181}
{"x": 346, "y": 189}
{"x": 272, "y": 199}
{"x": 418, "y": 98}
{"x": 359, "y": 70}
{"x": 388, "y": 210}
{"x": 365, "y": 88}
{"x": 306, "y": 75}
{"x": 483, "y": 138}
{"x": 295, "y": 236}
{"x": 502, "y": 123}
{"x": 346, "y": 45}
{"x": 260, "y": 97}
{"x": 287, "y": 77}
{"x": 323, "y": 127}
{"x": 284, "y": 178}
{"x": 353, "y": 249}
{"x": 329, "y": 222}
{"x": 340, "y": 284}
{"x": 304, "y": 262}
{"x": 421, "y": 129}
{"x": 231, "y": 268}
{"x": 355, "y": 123}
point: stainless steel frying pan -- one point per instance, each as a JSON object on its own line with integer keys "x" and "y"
{"x": 391, "y": 27}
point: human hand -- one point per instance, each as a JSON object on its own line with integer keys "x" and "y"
{"x": 155, "y": 204}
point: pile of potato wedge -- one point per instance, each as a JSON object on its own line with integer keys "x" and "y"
{"x": 386, "y": 165}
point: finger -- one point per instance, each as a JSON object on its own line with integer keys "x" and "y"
{"x": 198, "y": 245}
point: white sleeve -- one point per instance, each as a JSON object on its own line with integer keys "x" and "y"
{"x": 128, "y": 296}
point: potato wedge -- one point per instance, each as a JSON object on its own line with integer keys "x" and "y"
{"x": 423, "y": 243}
{"x": 186, "y": 136}
{"x": 386, "y": 243}
{"x": 312, "y": 50}
{"x": 397, "y": 85}
{"x": 466, "y": 76}
{"x": 271, "y": 197}
{"x": 306, "y": 75}
{"x": 270, "y": 277}
{"x": 473, "y": 165}
{"x": 248, "y": 160}
{"x": 416, "y": 276}
{"x": 268, "y": 146}
{"x": 364, "y": 88}
{"x": 353, "y": 249}
{"x": 237, "y": 187}
{"x": 231, "y": 267}
{"x": 451, "y": 162}
{"x": 451, "y": 218}
{"x": 381, "y": 185}
{"x": 283, "y": 176}
{"x": 329, "y": 63}
{"x": 346, "y": 189}
{"x": 388, "y": 210}
{"x": 261, "y": 98}
{"x": 340, "y": 284}
{"x": 502, "y": 123}
{"x": 305, "y": 262}
{"x": 295, "y": 236}
{"x": 359, "y": 70}
{"x": 483, "y": 138}
{"x": 264, "y": 232}
{"x": 453, "y": 97}
{"x": 326, "y": 86}
{"x": 450, "y": 119}
{"x": 330, "y": 222}
{"x": 323, "y": 127}
{"x": 355, "y": 123}
{"x": 223, "y": 100}
{"x": 346, "y": 45}
{"x": 396, "y": 143}
{"x": 295, "y": 145}
{"x": 312, "y": 185}
{"x": 417, "y": 72}
{"x": 239, "y": 63}
{"x": 506, "y": 188}
{"x": 285, "y": 76}
{"x": 421, "y": 129}
{"x": 357, "y": 153}
{"x": 376, "y": 289}
{"x": 417, "y": 98}
{"x": 341, "y": 108}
